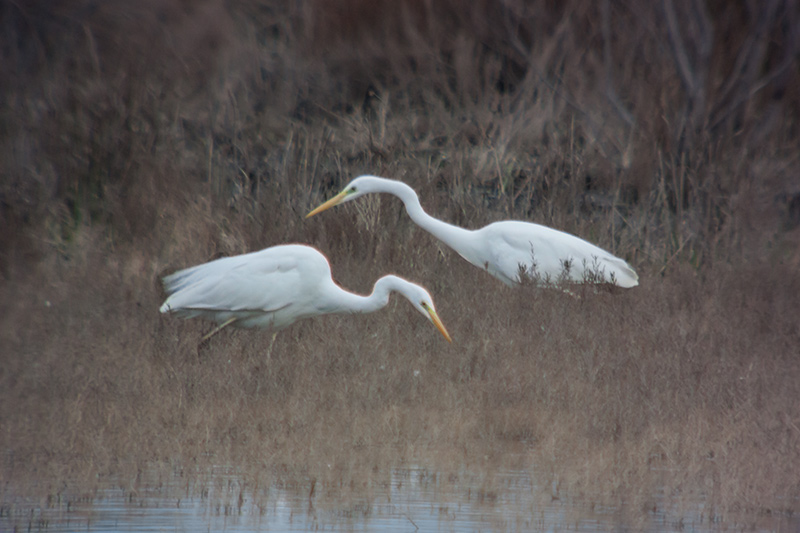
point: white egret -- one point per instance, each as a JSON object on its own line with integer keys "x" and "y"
{"x": 277, "y": 286}
{"x": 505, "y": 249}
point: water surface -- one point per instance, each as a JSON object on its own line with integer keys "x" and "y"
{"x": 401, "y": 499}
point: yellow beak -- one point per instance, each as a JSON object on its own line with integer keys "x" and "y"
{"x": 336, "y": 200}
{"x": 439, "y": 325}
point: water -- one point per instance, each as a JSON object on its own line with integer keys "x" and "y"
{"x": 405, "y": 499}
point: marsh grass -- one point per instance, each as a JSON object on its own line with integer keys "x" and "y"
{"x": 119, "y": 169}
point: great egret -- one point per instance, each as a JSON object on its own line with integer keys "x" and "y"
{"x": 276, "y": 287}
{"x": 505, "y": 249}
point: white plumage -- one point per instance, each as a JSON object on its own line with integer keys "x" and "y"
{"x": 277, "y": 286}
{"x": 506, "y": 248}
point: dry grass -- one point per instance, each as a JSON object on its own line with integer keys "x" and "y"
{"x": 117, "y": 170}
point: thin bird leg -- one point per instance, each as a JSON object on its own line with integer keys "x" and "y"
{"x": 217, "y": 329}
{"x": 269, "y": 350}
{"x": 269, "y": 367}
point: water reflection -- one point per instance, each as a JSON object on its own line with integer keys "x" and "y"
{"x": 405, "y": 499}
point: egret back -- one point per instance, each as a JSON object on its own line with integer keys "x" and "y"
{"x": 550, "y": 254}
{"x": 270, "y": 288}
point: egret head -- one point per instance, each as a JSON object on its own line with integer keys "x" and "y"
{"x": 422, "y": 301}
{"x": 358, "y": 187}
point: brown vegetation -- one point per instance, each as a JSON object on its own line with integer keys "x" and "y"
{"x": 138, "y": 140}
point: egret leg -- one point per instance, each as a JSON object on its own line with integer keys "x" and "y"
{"x": 217, "y": 329}
{"x": 271, "y": 343}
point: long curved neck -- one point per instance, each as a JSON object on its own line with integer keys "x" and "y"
{"x": 348, "y": 302}
{"x": 453, "y": 236}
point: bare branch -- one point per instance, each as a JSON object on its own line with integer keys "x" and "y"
{"x": 611, "y": 93}
{"x": 679, "y": 49}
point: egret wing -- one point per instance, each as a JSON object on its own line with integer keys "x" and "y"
{"x": 546, "y": 251}
{"x": 263, "y": 281}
